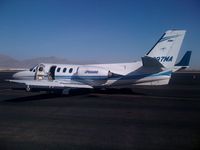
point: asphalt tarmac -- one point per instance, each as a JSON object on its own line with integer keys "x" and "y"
{"x": 158, "y": 118}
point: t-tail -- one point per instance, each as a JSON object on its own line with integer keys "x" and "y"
{"x": 167, "y": 48}
{"x": 160, "y": 61}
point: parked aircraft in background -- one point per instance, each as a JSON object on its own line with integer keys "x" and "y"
{"x": 155, "y": 68}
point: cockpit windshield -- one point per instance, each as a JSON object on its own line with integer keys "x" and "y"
{"x": 33, "y": 68}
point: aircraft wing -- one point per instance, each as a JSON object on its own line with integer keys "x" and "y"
{"x": 56, "y": 84}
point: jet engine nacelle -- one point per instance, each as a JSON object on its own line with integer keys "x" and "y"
{"x": 94, "y": 76}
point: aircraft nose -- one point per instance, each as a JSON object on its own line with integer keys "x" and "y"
{"x": 16, "y": 75}
{"x": 19, "y": 75}
{"x": 23, "y": 75}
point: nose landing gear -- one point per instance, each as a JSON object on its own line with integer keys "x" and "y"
{"x": 28, "y": 89}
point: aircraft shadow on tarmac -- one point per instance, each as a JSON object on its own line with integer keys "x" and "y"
{"x": 73, "y": 93}
{"x": 33, "y": 98}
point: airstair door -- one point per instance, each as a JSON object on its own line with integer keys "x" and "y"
{"x": 51, "y": 76}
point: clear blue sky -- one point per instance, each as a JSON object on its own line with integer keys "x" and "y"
{"x": 95, "y": 30}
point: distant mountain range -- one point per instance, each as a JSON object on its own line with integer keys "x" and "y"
{"x": 9, "y": 62}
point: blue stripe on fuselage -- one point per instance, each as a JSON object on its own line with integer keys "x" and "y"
{"x": 128, "y": 77}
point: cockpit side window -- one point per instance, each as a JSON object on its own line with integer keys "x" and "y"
{"x": 33, "y": 68}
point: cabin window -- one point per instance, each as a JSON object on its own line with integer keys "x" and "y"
{"x": 33, "y": 70}
{"x": 41, "y": 69}
{"x": 70, "y": 70}
{"x": 58, "y": 70}
{"x": 64, "y": 70}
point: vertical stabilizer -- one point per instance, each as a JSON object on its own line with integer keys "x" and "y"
{"x": 167, "y": 48}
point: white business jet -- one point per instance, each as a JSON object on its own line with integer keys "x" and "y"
{"x": 155, "y": 68}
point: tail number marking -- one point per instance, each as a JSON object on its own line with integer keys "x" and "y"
{"x": 165, "y": 58}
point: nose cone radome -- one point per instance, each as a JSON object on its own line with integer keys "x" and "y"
{"x": 16, "y": 75}
{"x": 22, "y": 75}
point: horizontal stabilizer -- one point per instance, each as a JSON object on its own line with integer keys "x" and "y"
{"x": 151, "y": 62}
{"x": 185, "y": 60}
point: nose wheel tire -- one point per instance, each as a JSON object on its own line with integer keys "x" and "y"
{"x": 28, "y": 89}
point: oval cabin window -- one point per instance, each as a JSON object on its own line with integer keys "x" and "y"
{"x": 58, "y": 70}
{"x": 41, "y": 69}
{"x": 64, "y": 70}
{"x": 70, "y": 70}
